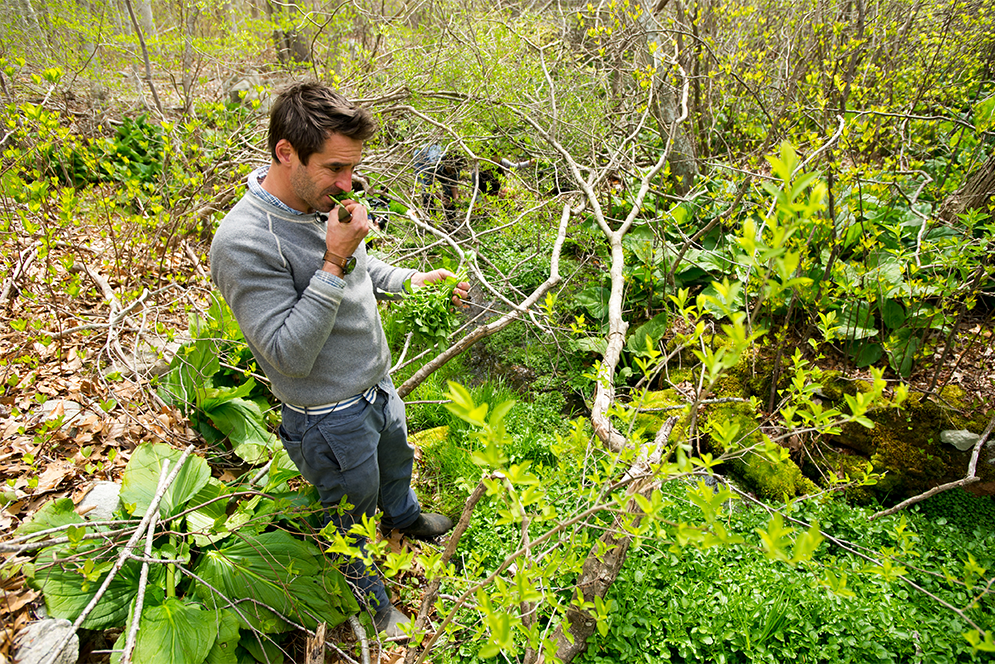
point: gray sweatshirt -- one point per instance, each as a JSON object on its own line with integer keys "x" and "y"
{"x": 317, "y": 341}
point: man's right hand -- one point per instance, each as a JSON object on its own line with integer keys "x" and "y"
{"x": 342, "y": 239}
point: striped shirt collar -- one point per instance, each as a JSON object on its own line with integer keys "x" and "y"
{"x": 256, "y": 178}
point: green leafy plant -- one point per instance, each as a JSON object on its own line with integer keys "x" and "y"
{"x": 428, "y": 312}
{"x": 231, "y": 571}
{"x": 221, "y": 402}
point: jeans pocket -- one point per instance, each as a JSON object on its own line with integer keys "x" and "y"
{"x": 350, "y": 436}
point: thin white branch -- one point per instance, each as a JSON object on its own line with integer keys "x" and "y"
{"x": 143, "y": 579}
{"x": 125, "y": 552}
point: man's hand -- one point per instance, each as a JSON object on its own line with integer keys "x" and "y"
{"x": 343, "y": 238}
{"x": 419, "y": 279}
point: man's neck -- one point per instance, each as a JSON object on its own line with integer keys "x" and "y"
{"x": 276, "y": 183}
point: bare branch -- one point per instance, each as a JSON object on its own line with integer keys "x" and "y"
{"x": 970, "y": 478}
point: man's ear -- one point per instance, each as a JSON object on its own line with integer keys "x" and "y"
{"x": 284, "y": 151}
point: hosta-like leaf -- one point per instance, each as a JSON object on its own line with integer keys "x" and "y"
{"x": 176, "y": 632}
{"x": 278, "y": 571}
{"x": 141, "y": 477}
{"x": 52, "y": 514}
{"x": 242, "y": 422}
{"x": 68, "y": 591}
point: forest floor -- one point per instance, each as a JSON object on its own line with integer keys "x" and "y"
{"x": 63, "y": 364}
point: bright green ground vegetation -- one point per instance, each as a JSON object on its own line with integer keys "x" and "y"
{"x": 768, "y": 221}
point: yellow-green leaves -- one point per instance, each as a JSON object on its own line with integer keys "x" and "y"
{"x": 491, "y": 432}
{"x": 776, "y": 541}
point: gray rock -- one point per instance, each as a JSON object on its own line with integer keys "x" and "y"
{"x": 70, "y": 410}
{"x": 962, "y": 439}
{"x": 36, "y": 643}
{"x": 250, "y": 89}
{"x": 103, "y": 498}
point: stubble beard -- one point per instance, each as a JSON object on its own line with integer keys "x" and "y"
{"x": 305, "y": 190}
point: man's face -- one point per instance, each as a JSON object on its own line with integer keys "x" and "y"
{"x": 328, "y": 172}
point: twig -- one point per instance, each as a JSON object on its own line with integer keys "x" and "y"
{"x": 143, "y": 579}
{"x": 59, "y": 529}
{"x": 316, "y": 646}
{"x": 686, "y": 405}
{"x": 258, "y": 477}
{"x": 23, "y": 262}
{"x": 428, "y": 599}
{"x": 145, "y": 54}
{"x": 364, "y": 642}
{"x": 970, "y": 478}
{"x": 153, "y": 509}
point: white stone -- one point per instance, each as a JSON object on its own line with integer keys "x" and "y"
{"x": 962, "y": 439}
{"x": 70, "y": 409}
{"x": 36, "y": 643}
{"x": 103, "y": 498}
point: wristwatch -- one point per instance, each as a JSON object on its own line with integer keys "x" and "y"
{"x": 347, "y": 264}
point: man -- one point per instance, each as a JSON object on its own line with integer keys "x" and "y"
{"x": 433, "y": 164}
{"x": 297, "y": 277}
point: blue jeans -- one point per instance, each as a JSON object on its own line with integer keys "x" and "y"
{"x": 361, "y": 454}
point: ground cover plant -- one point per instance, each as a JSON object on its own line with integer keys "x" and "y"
{"x": 735, "y": 237}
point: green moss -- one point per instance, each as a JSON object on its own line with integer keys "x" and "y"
{"x": 835, "y": 386}
{"x": 771, "y": 480}
{"x": 429, "y": 438}
{"x": 905, "y": 444}
{"x": 655, "y": 408}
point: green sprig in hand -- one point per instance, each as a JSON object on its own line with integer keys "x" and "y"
{"x": 428, "y": 312}
{"x": 359, "y": 196}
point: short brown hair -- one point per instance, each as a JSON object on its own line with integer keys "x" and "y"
{"x": 306, "y": 114}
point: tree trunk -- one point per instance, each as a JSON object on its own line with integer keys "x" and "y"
{"x": 189, "y": 75}
{"x": 604, "y": 562}
{"x": 667, "y": 108}
{"x": 977, "y": 192}
{"x": 291, "y": 46}
{"x": 145, "y": 17}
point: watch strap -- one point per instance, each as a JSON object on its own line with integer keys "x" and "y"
{"x": 345, "y": 263}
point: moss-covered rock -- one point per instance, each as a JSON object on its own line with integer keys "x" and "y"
{"x": 772, "y": 480}
{"x": 905, "y": 444}
{"x": 428, "y": 438}
{"x": 655, "y": 407}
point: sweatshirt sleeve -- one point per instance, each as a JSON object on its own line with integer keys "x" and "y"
{"x": 288, "y": 331}
{"x": 387, "y": 278}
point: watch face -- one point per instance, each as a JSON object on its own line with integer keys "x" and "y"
{"x": 350, "y": 264}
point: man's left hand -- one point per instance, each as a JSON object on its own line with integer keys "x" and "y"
{"x": 419, "y": 279}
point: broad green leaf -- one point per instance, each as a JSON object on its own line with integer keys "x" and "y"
{"x": 262, "y": 648}
{"x": 242, "y": 422}
{"x": 67, "y": 592}
{"x": 857, "y": 321}
{"x": 224, "y": 649}
{"x": 597, "y": 345}
{"x": 141, "y": 477}
{"x": 210, "y": 523}
{"x": 280, "y": 471}
{"x": 892, "y": 314}
{"x": 281, "y": 572}
{"x": 175, "y": 632}
{"x": 655, "y": 328}
{"x": 866, "y": 354}
{"x": 190, "y": 373}
{"x": 594, "y": 299}
{"x": 52, "y": 514}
